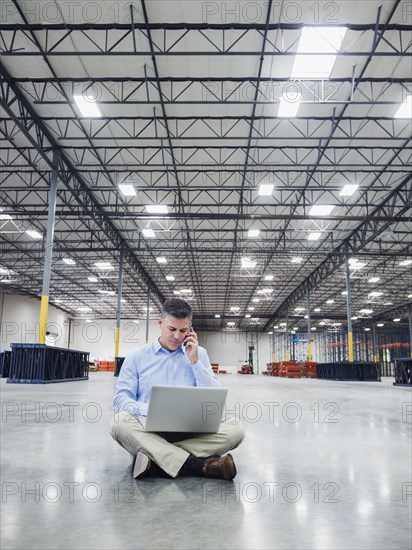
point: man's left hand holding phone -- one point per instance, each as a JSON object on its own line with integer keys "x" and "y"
{"x": 191, "y": 345}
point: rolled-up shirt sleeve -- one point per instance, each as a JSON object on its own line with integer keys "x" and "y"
{"x": 127, "y": 389}
{"x": 203, "y": 371}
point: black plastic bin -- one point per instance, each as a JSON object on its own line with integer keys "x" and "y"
{"x": 41, "y": 364}
{"x": 5, "y": 357}
{"x": 403, "y": 371}
{"x": 119, "y": 363}
{"x": 361, "y": 371}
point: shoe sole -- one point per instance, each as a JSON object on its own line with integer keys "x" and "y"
{"x": 141, "y": 465}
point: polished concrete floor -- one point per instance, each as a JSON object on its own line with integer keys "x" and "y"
{"x": 324, "y": 465}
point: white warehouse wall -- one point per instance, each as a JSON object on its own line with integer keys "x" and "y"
{"x": 20, "y": 323}
{"x": 20, "y": 316}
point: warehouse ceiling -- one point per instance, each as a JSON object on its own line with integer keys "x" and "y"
{"x": 190, "y": 96}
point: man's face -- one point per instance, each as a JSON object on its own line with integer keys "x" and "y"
{"x": 173, "y": 331}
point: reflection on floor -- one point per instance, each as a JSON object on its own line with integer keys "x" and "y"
{"x": 325, "y": 465}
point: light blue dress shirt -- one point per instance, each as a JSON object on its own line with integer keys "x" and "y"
{"x": 152, "y": 365}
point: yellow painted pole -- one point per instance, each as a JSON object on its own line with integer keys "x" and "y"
{"x": 116, "y": 342}
{"x": 44, "y": 306}
{"x": 350, "y": 346}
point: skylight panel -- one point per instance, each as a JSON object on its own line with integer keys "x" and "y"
{"x": 317, "y": 40}
{"x": 405, "y": 109}
{"x": 87, "y": 106}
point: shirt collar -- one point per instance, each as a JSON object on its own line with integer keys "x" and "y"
{"x": 158, "y": 348}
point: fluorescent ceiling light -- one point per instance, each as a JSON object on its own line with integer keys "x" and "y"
{"x": 88, "y": 106}
{"x": 322, "y": 323}
{"x": 269, "y": 278}
{"x": 5, "y": 216}
{"x": 354, "y": 318}
{"x": 366, "y": 310}
{"x": 157, "y": 209}
{"x": 107, "y": 292}
{"x": 296, "y": 259}
{"x": 265, "y": 189}
{"x": 348, "y": 189}
{"x": 170, "y": 278}
{"x": 57, "y": 301}
{"x": 186, "y": 290}
{"x": 299, "y": 309}
{"x": 289, "y": 104}
{"x": 405, "y": 109}
{"x": 267, "y": 290}
{"x": 92, "y": 279}
{"x": 357, "y": 265}
{"x": 148, "y": 233}
{"x": 270, "y": 332}
{"x": 161, "y": 260}
{"x": 330, "y": 301}
{"x": 314, "y": 236}
{"x": 353, "y": 260}
{"x": 374, "y": 279}
{"x": 344, "y": 292}
{"x": 396, "y": 320}
{"x": 177, "y": 292}
{"x": 88, "y": 320}
{"x": 317, "y": 40}
{"x": 235, "y": 308}
{"x": 409, "y": 295}
{"x": 388, "y": 304}
{"x": 248, "y": 316}
{"x": 104, "y": 265}
{"x": 84, "y": 308}
{"x": 380, "y": 325}
{"x": 136, "y": 322}
{"x": 375, "y": 294}
{"x": 231, "y": 323}
{"x": 255, "y": 300}
{"x": 295, "y": 328}
{"x": 69, "y": 261}
{"x": 366, "y": 329}
{"x": 403, "y": 263}
{"x": 313, "y": 328}
{"x": 217, "y": 316}
{"x": 317, "y": 309}
{"x": 275, "y": 326}
{"x": 321, "y": 209}
{"x": 247, "y": 263}
{"x": 34, "y": 234}
{"x": 253, "y": 233}
{"x": 251, "y": 308}
{"x": 127, "y": 189}
{"x": 282, "y": 324}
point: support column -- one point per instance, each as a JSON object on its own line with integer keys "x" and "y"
{"x": 119, "y": 307}
{"x": 287, "y": 337}
{"x": 410, "y": 330}
{"x": 44, "y": 307}
{"x": 349, "y": 305}
{"x": 309, "y": 328}
{"x": 374, "y": 350}
{"x": 147, "y": 314}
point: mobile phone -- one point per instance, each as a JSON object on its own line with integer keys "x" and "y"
{"x": 190, "y": 330}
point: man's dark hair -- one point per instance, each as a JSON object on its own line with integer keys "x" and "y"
{"x": 176, "y": 307}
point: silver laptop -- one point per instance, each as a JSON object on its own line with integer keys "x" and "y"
{"x": 185, "y": 409}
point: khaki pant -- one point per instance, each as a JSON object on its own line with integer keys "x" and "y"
{"x": 170, "y": 451}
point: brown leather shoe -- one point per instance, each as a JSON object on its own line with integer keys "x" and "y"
{"x": 221, "y": 467}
